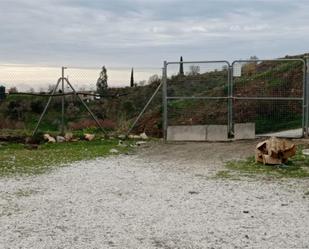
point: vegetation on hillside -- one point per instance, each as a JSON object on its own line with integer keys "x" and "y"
{"x": 120, "y": 106}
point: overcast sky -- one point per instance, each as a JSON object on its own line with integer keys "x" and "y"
{"x": 146, "y": 32}
{"x": 142, "y": 34}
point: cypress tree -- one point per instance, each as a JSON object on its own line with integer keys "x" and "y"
{"x": 132, "y": 78}
{"x": 181, "y": 67}
{"x": 102, "y": 81}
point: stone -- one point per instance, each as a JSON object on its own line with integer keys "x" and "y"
{"x": 68, "y": 136}
{"x": 121, "y": 143}
{"x": 134, "y": 137}
{"x": 139, "y": 143}
{"x": 122, "y": 136}
{"x": 113, "y": 151}
{"x": 89, "y": 137}
{"x": 143, "y": 136}
{"x": 60, "y": 139}
{"x": 49, "y": 138}
{"x": 244, "y": 131}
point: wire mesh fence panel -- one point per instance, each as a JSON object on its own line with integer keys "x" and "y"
{"x": 197, "y": 93}
{"x": 270, "y": 94}
{"x": 25, "y": 78}
{"x": 21, "y": 112}
{"x": 197, "y": 79}
{"x": 197, "y": 112}
{"x": 121, "y": 102}
{"x": 115, "y": 109}
{"x": 270, "y": 116}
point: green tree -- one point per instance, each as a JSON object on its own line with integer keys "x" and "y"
{"x": 102, "y": 81}
{"x": 181, "y": 66}
{"x": 132, "y": 78}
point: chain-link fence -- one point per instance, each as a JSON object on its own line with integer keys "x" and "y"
{"x": 28, "y": 89}
{"x": 272, "y": 94}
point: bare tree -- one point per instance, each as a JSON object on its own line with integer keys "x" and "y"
{"x": 194, "y": 70}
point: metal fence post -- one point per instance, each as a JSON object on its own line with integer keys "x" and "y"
{"x": 230, "y": 100}
{"x": 164, "y": 100}
{"x": 62, "y": 100}
{"x": 307, "y": 98}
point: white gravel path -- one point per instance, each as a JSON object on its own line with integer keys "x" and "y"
{"x": 133, "y": 202}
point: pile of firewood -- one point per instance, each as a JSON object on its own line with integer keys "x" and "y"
{"x": 274, "y": 151}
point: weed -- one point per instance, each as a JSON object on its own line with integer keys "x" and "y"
{"x": 223, "y": 174}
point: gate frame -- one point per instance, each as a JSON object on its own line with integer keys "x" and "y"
{"x": 166, "y": 98}
{"x": 230, "y": 96}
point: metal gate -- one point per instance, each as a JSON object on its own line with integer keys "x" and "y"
{"x": 192, "y": 90}
{"x": 271, "y": 94}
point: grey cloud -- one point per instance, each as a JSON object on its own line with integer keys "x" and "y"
{"x": 145, "y": 32}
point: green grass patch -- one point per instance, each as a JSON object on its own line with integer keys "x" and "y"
{"x": 297, "y": 167}
{"x": 15, "y": 159}
{"x": 223, "y": 174}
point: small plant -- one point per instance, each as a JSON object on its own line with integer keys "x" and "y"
{"x": 225, "y": 174}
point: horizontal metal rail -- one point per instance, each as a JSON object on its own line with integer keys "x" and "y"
{"x": 196, "y": 62}
{"x": 182, "y": 97}
{"x": 239, "y": 98}
{"x": 67, "y": 94}
{"x": 269, "y": 60}
{"x": 268, "y": 98}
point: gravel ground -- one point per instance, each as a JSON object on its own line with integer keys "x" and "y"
{"x": 162, "y": 197}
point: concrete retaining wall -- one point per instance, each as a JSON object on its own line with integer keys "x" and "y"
{"x": 244, "y": 131}
{"x": 197, "y": 133}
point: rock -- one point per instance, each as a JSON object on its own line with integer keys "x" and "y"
{"x": 134, "y": 137}
{"x": 139, "y": 143}
{"x": 68, "y": 136}
{"x": 120, "y": 143}
{"x": 49, "y": 138}
{"x": 122, "y": 137}
{"x": 60, "y": 139}
{"x": 89, "y": 137}
{"x": 143, "y": 136}
{"x": 305, "y": 152}
{"x": 113, "y": 151}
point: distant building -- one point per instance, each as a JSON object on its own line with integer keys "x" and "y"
{"x": 88, "y": 96}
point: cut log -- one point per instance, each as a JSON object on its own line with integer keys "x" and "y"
{"x": 274, "y": 151}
